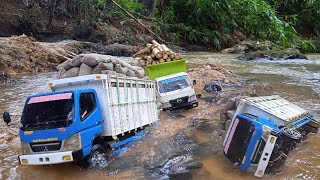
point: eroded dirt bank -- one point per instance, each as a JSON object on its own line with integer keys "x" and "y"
{"x": 24, "y": 55}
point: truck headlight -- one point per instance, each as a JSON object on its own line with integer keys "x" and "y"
{"x": 266, "y": 131}
{"x": 192, "y": 98}
{"x": 73, "y": 143}
{"x": 25, "y": 148}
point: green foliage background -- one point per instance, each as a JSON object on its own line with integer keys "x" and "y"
{"x": 216, "y": 22}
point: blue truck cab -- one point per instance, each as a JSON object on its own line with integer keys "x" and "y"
{"x": 251, "y": 141}
{"x": 66, "y": 123}
{"x": 263, "y": 131}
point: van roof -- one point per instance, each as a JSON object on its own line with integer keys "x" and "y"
{"x": 171, "y": 76}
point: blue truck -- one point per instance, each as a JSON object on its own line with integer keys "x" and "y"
{"x": 85, "y": 119}
{"x": 264, "y": 130}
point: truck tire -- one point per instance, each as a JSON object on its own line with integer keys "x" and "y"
{"x": 311, "y": 129}
{"x": 291, "y": 134}
{"x": 98, "y": 157}
{"x": 314, "y": 123}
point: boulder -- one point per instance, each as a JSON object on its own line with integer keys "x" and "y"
{"x": 212, "y": 87}
{"x": 61, "y": 72}
{"x": 273, "y": 55}
{"x": 85, "y": 70}
{"x": 102, "y": 66}
{"x": 76, "y": 61}
{"x": 109, "y": 72}
{"x": 66, "y": 65}
{"x": 73, "y": 72}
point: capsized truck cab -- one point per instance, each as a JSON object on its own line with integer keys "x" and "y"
{"x": 175, "y": 89}
{"x": 85, "y": 118}
{"x": 263, "y": 131}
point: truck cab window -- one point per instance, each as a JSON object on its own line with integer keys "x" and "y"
{"x": 174, "y": 84}
{"x": 87, "y": 105}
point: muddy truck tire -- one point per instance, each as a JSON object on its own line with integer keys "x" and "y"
{"x": 292, "y": 134}
{"x": 98, "y": 157}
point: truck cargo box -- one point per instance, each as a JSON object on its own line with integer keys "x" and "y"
{"x": 166, "y": 68}
{"x": 126, "y": 103}
{"x": 275, "y": 108}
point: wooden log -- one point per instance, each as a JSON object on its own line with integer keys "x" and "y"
{"x": 166, "y": 49}
{"x": 141, "y": 52}
{"x": 178, "y": 56}
{"x": 151, "y": 46}
{"x": 157, "y": 53}
{"x": 142, "y": 62}
{"x": 145, "y": 57}
{"x": 168, "y": 60}
{"x": 165, "y": 56}
{"x": 172, "y": 55}
{"x": 152, "y": 55}
{"x": 155, "y": 43}
{"x": 162, "y": 60}
{"x": 154, "y": 62}
{"x": 149, "y": 59}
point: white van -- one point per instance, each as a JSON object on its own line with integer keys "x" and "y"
{"x": 176, "y": 91}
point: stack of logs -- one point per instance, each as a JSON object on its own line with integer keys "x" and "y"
{"x": 155, "y": 53}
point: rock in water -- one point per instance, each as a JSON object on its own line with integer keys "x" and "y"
{"x": 211, "y": 87}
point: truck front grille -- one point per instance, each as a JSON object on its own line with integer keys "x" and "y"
{"x": 43, "y": 147}
{"x": 179, "y": 101}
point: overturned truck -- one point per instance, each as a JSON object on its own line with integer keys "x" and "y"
{"x": 264, "y": 130}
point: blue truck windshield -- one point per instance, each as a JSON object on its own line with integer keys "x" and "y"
{"x": 238, "y": 140}
{"x": 47, "y": 112}
{"x": 173, "y": 84}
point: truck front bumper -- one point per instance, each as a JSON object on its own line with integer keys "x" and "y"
{"x": 182, "y": 106}
{"x": 265, "y": 157}
{"x": 47, "y": 158}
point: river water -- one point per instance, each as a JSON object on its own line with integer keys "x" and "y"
{"x": 187, "y": 137}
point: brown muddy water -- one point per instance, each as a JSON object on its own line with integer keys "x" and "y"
{"x": 186, "y": 144}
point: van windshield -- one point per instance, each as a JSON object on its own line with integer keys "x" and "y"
{"x": 47, "y": 112}
{"x": 173, "y": 84}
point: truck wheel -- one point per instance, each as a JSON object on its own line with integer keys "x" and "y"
{"x": 311, "y": 129}
{"x": 291, "y": 133}
{"x": 98, "y": 157}
{"x": 314, "y": 123}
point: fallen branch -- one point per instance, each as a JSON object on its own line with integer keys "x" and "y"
{"x": 130, "y": 15}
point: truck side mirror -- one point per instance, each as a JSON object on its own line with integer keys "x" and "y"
{"x": 194, "y": 82}
{"x": 6, "y": 117}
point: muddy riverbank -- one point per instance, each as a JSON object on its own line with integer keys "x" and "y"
{"x": 24, "y": 55}
{"x": 185, "y": 144}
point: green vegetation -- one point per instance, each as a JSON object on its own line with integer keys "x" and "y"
{"x": 215, "y": 23}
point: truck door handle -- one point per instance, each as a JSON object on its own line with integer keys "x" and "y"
{"x": 98, "y": 123}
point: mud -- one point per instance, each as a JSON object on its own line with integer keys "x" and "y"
{"x": 24, "y": 55}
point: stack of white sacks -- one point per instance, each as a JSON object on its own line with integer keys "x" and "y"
{"x": 85, "y": 64}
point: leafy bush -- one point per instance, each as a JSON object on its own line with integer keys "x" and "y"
{"x": 216, "y": 21}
